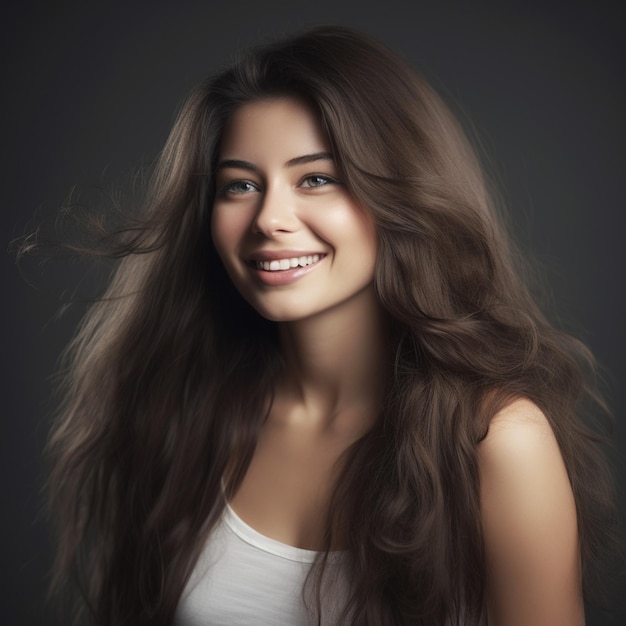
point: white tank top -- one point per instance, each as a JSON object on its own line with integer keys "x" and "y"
{"x": 244, "y": 578}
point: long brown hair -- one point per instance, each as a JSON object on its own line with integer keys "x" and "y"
{"x": 171, "y": 373}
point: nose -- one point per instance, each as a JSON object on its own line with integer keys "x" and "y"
{"x": 275, "y": 213}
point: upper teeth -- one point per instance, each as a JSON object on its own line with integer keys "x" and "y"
{"x": 285, "y": 264}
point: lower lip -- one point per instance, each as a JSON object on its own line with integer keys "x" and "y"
{"x": 285, "y": 277}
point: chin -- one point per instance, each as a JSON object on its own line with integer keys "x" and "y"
{"x": 281, "y": 313}
{"x": 279, "y": 316}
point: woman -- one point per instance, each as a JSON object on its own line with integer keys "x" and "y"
{"x": 317, "y": 389}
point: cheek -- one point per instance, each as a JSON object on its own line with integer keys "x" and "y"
{"x": 343, "y": 216}
{"x": 358, "y": 233}
{"x": 226, "y": 232}
{"x": 366, "y": 242}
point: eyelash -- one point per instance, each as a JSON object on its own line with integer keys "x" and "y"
{"x": 231, "y": 186}
{"x": 328, "y": 180}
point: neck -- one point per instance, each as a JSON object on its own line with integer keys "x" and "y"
{"x": 336, "y": 362}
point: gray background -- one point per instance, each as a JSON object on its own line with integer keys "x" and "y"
{"x": 89, "y": 94}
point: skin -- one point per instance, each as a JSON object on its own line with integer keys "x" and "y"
{"x": 334, "y": 342}
{"x": 331, "y": 325}
{"x": 529, "y": 523}
{"x": 279, "y": 189}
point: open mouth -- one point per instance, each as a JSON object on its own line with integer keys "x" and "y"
{"x": 282, "y": 265}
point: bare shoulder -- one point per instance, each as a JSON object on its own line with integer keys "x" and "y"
{"x": 529, "y": 522}
{"x": 519, "y": 429}
{"x": 520, "y": 416}
{"x": 521, "y": 467}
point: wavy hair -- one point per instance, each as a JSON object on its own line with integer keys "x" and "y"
{"x": 171, "y": 373}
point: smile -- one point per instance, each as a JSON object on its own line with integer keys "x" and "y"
{"x": 278, "y": 265}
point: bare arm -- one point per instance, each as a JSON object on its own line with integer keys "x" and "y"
{"x": 529, "y": 523}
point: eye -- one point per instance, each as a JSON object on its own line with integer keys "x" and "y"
{"x": 239, "y": 187}
{"x": 317, "y": 180}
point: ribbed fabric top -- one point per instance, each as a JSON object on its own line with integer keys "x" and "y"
{"x": 243, "y": 577}
{"x": 267, "y": 544}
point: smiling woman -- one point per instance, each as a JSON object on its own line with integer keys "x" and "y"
{"x": 317, "y": 390}
{"x": 292, "y": 238}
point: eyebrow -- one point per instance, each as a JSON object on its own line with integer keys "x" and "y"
{"x": 310, "y": 158}
{"x": 246, "y": 165}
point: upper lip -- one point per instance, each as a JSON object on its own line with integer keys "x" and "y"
{"x": 274, "y": 255}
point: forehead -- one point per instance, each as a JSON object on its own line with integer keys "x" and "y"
{"x": 283, "y": 127}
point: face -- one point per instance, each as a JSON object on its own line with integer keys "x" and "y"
{"x": 293, "y": 240}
